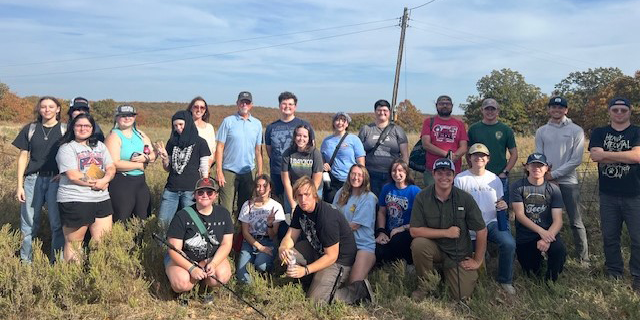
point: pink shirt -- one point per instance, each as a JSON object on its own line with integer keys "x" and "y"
{"x": 446, "y": 135}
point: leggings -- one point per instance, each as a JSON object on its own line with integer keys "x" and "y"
{"x": 129, "y": 196}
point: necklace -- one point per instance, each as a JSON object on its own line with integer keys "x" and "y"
{"x": 46, "y": 134}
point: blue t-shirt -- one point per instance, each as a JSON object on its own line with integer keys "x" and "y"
{"x": 398, "y": 203}
{"x": 349, "y": 151}
{"x": 361, "y": 210}
{"x": 279, "y": 135}
{"x": 240, "y": 138}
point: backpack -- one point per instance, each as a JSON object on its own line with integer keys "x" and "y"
{"x": 418, "y": 155}
{"x": 32, "y": 130}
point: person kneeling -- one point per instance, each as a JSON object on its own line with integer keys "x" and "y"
{"x": 326, "y": 253}
{"x": 441, "y": 218}
{"x": 204, "y": 232}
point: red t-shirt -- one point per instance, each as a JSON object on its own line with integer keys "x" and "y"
{"x": 446, "y": 135}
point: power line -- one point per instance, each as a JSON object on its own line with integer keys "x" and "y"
{"x": 194, "y": 45}
{"x": 201, "y": 56}
{"x": 422, "y": 5}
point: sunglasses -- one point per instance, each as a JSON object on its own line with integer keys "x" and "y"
{"x": 490, "y": 108}
{"x": 619, "y": 110}
{"x": 202, "y": 192}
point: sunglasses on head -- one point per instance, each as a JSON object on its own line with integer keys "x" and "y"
{"x": 208, "y": 192}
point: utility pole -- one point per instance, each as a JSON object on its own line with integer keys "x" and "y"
{"x": 394, "y": 100}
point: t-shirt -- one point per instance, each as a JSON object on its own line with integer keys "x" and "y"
{"x": 538, "y": 202}
{"x": 458, "y": 210}
{"x": 76, "y": 156}
{"x": 349, "y": 151}
{"x": 389, "y": 150}
{"x": 195, "y": 246}
{"x": 446, "y": 135}
{"x": 184, "y": 165}
{"x": 498, "y": 138}
{"x": 209, "y": 135}
{"x": 324, "y": 227}
{"x": 240, "y": 137}
{"x": 279, "y": 135}
{"x": 360, "y": 209}
{"x": 256, "y": 217}
{"x": 42, "y": 152}
{"x": 300, "y": 164}
{"x": 485, "y": 190}
{"x": 399, "y": 203}
{"x": 617, "y": 179}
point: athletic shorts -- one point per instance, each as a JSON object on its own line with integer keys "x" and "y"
{"x": 78, "y": 214}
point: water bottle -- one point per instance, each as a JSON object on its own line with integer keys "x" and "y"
{"x": 291, "y": 257}
{"x": 146, "y": 149}
{"x": 503, "y": 220}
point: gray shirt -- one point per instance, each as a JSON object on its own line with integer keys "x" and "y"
{"x": 380, "y": 160}
{"x": 76, "y": 156}
{"x": 563, "y": 145}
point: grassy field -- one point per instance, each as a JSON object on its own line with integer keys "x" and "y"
{"x": 123, "y": 277}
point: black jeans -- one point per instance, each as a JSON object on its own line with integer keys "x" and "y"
{"x": 399, "y": 247}
{"x": 530, "y": 258}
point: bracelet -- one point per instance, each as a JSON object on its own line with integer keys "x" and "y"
{"x": 193, "y": 266}
{"x": 381, "y": 230}
{"x": 306, "y": 270}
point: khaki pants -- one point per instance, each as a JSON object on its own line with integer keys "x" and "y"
{"x": 240, "y": 183}
{"x": 425, "y": 252}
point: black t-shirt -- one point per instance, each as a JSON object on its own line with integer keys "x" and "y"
{"x": 324, "y": 227}
{"x": 617, "y": 178}
{"x": 184, "y": 165}
{"x": 195, "y": 246}
{"x": 42, "y": 152}
{"x": 538, "y": 202}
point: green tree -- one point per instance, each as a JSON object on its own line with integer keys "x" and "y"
{"x": 409, "y": 117}
{"x": 512, "y": 92}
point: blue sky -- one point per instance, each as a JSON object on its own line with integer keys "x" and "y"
{"x": 162, "y": 50}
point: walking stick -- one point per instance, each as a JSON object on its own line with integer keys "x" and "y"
{"x": 335, "y": 285}
{"x": 182, "y": 254}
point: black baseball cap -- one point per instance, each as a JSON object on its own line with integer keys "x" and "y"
{"x": 558, "y": 101}
{"x": 444, "y": 163}
{"x": 79, "y": 103}
{"x": 619, "y": 101}
{"x": 537, "y": 158}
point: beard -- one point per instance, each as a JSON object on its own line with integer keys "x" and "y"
{"x": 444, "y": 112}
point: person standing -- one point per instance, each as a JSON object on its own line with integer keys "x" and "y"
{"x": 486, "y": 189}
{"x": 441, "y": 219}
{"x": 441, "y": 134}
{"x": 238, "y": 153}
{"x": 80, "y": 105}
{"x": 537, "y": 205}
{"x": 278, "y": 137}
{"x": 200, "y": 111}
{"x": 562, "y": 142}
{"x": 499, "y": 139}
{"x": 616, "y": 149}
{"x": 383, "y": 143}
{"x": 38, "y": 178}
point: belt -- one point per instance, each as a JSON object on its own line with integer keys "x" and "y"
{"x": 47, "y": 173}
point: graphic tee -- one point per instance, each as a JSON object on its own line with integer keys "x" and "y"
{"x": 279, "y": 135}
{"x": 195, "y": 246}
{"x": 42, "y": 152}
{"x": 300, "y": 164}
{"x": 399, "y": 203}
{"x": 380, "y": 160}
{"x": 184, "y": 165}
{"x": 485, "y": 190}
{"x": 617, "y": 179}
{"x": 76, "y": 156}
{"x": 446, "y": 135}
{"x": 538, "y": 202}
{"x": 360, "y": 209}
{"x": 324, "y": 227}
{"x": 256, "y": 217}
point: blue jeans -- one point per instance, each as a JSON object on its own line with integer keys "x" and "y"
{"x": 172, "y": 201}
{"x": 249, "y": 254}
{"x": 614, "y": 210}
{"x": 505, "y": 189}
{"x": 38, "y": 190}
{"x": 378, "y": 180}
{"x": 506, "y": 251}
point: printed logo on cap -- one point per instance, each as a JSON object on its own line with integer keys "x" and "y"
{"x": 558, "y": 100}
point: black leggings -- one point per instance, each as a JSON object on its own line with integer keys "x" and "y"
{"x": 530, "y": 258}
{"x": 129, "y": 196}
{"x": 399, "y": 247}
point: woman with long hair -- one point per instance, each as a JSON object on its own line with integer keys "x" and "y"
{"x": 358, "y": 204}
{"x": 86, "y": 169}
{"x": 260, "y": 217}
{"x": 393, "y": 240}
{"x": 129, "y": 148}
{"x": 301, "y": 159}
{"x": 186, "y": 158}
{"x": 200, "y": 111}
{"x": 38, "y": 175}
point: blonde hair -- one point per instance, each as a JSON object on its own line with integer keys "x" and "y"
{"x": 305, "y": 181}
{"x": 347, "y": 188}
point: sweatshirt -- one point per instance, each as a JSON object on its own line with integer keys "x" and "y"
{"x": 563, "y": 145}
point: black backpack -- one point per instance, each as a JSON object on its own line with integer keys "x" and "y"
{"x": 418, "y": 156}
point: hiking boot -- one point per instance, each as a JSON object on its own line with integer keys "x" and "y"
{"x": 636, "y": 285}
{"x": 207, "y": 298}
{"x": 371, "y": 297}
{"x": 508, "y": 287}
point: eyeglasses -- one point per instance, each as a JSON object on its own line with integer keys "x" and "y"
{"x": 490, "y": 108}
{"x": 619, "y": 110}
{"x": 127, "y": 115}
{"x": 247, "y": 102}
{"x": 202, "y": 192}
{"x": 83, "y": 126}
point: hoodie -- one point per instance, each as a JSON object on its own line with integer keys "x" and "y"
{"x": 563, "y": 145}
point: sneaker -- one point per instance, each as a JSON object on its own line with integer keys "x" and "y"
{"x": 508, "y": 287}
{"x": 371, "y": 298}
{"x": 636, "y": 285}
{"x": 207, "y": 298}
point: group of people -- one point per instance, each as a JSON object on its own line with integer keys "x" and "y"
{"x": 329, "y": 215}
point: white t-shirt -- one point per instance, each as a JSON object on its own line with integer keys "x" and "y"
{"x": 485, "y": 190}
{"x": 76, "y": 156}
{"x": 209, "y": 134}
{"x": 256, "y": 217}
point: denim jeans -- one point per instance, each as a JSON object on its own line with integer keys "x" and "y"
{"x": 506, "y": 251}
{"x": 172, "y": 201}
{"x": 614, "y": 210}
{"x": 249, "y": 254}
{"x": 505, "y": 189}
{"x": 38, "y": 190}
{"x": 378, "y": 180}
{"x": 570, "y": 196}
